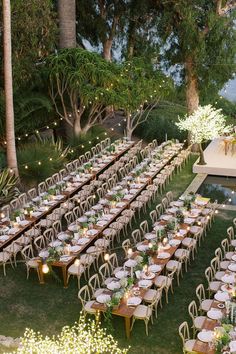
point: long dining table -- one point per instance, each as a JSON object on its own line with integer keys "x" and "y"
{"x": 123, "y": 204}
{"x": 125, "y": 310}
{"x": 16, "y": 229}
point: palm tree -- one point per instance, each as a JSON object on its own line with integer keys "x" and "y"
{"x": 8, "y": 88}
{"x": 67, "y": 23}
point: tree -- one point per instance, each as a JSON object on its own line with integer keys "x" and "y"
{"x": 34, "y": 35}
{"x": 67, "y": 23}
{"x": 8, "y": 89}
{"x": 141, "y": 88}
{"x": 81, "y": 87}
{"x": 104, "y": 18}
{"x": 205, "y": 124}
{"x": 197, "y": 39}
{"x": 84, "y": 337}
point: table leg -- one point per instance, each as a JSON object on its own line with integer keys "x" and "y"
{"x": 64, "y": 275}
{"x": 127, "y": 327}
{"x": 40, "y": 274}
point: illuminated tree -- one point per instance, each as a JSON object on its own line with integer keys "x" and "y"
{"x": 85, "y": 337}
{"x": 204, "y": 124}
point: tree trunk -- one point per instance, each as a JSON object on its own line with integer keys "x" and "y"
{"x": 131, "y": 40}
{"x": 77, "y": 126}
{"x": 107, "y": 49}
{"x": 67, "y": 23}
{"x": 202, "y": 159}
{"x": 129, "y": 129}
{"x": 192, "y": 93}
{"x": 67, "y": 37}
{"x": 8, "y": 89}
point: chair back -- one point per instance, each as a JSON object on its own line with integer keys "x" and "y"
{"x": 27, "y": 252}
{"x": 136, "y": 236}
{"x": 192, "y": 310}
{"x": 39, "y": 242}
{"x": 209, "y": 274}
{"x": 184, "y": 332}
{"x": 113, "y": 261}
{"x": 144, "y": 227}
{"x": 126, "y": 245}
{"x": 84, "y": 295}
{"x": 49, "y": 235}
{"x": 200, "y": 293}
{"x": 94, "y": 283}
{"x": 104, "y": 271}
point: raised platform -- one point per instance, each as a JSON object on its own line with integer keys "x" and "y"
{"x": 218, "y": 163}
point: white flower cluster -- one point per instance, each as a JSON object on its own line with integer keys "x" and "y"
{"x": 206, "y": 123}
{"x": 83, "y": 338}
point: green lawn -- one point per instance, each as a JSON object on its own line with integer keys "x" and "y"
{"x": 48, "y": 307}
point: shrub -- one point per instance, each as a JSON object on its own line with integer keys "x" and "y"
{"x": 41, "y": 159}
{"x": 88, "y": 140}
{"x": 161, "y": 122}
{"x": 8, "y": 189}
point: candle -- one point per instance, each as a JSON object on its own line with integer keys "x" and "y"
{"x": 132, "y": 272}
{"x": 77, "y": 262}
{"x": 130, "y": 252}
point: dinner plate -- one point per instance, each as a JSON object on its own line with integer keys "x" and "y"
{"x": 55, "y": 243}
{"x": 75, "y": 249}
{"x": 73, "y": 227}
{"x": 174, "y": 243}
{"x": 145, "y": 283}
{"x": 130, "y": 263}
{"x": 232, "y": 346}
{"x": 82, "y": 241}
{"x": 101, "y": 223}
{"x": 82, "y": 219}
{"x": 121, "y": 274}
{"x": 221, "y": 296}
{"x": 228, "y": 278}
{"x": 166, "y": 217}
{"x": 163, "y": 255}
{"x": 103, "y": 298}
{"x": 148, "y": 276}
{"x": 23, "y": 222}
{"x": 65, "y": 258}
{"x": 150, "y": 236}
{"x": 232, "y": 267}
{"x": 113, "y": 285}
{"x": 155, "y": 268}
{"x": 205, "y": 336}
{"x": 63, "y": 236}
{"x": 142, "y": 248}
{"x": 215, "y": 314}
{"x": 4, "y": 238}
{"x": 97, "y": 207}
{"x": 134, "y": 301}
{"x": 234, "y": 257}
{"x": 92, "y": 232}
{"x": 114, "y": 211}
{"x": 13, "y": 230}
{"x": 44, "y": 254}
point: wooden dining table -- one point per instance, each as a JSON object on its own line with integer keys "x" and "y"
{"x": 127, "y": 311}
{"x": 63, "y": 266}
{"x": 66, "y": 195}
{"x": 208, "y": 325}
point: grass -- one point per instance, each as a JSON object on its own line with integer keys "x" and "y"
{"x": 47, "y": 308}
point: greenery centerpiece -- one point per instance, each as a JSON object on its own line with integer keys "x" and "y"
{"x": 179, "y": 216}
{"x": 222, "y": 338}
